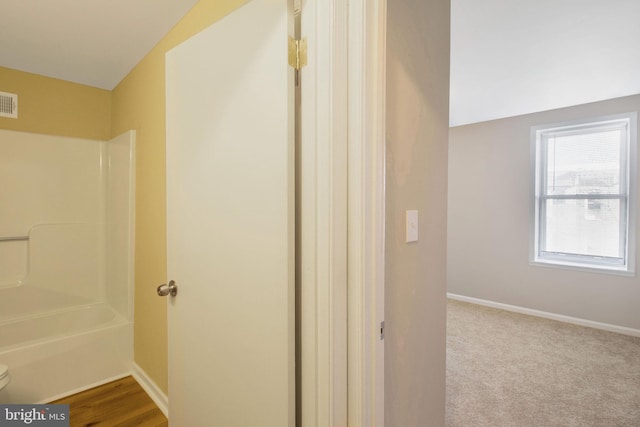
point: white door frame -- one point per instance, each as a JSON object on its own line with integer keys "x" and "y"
{"x": 367, "y": 83}
{"x": 323, "y": 227}
{"x": 342, "y": 213}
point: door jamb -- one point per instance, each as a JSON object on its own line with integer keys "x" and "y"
{"x": 342, "y": 213}
{"x": 367, "y": 82}
{"x": 323, "y": 216}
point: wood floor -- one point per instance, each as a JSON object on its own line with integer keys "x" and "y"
{"x": 117, "y": 404}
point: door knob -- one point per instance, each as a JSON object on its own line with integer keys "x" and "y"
{"x": 168, "y": 289}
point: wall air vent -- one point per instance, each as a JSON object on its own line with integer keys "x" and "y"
{"x": 8, "y": 105}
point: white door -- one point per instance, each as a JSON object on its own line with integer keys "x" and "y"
{"x": 230, "y": 222}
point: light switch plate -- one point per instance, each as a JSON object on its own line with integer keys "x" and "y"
{"x": 412, "y": 226}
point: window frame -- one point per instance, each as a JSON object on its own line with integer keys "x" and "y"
{"x": 626, "y": 195}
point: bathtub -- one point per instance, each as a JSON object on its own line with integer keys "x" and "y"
{"x": 64, "y": 351}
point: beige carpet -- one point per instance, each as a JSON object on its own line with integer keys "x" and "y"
{"x": 506, "y": 369}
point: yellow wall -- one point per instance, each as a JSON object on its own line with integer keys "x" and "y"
{"x": 138, "y": 102}
{"x": 56, "y": 107}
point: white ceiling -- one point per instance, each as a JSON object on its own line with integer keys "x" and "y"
{"x": 508, "y": 57}
{"x": 513, "y": 57}
{"x": 93, "y": 42}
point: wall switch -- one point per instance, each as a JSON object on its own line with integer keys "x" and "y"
{"x": 412, "y": 226}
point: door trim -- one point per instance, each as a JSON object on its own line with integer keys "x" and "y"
{"x": 323, "y": 226}
{"x": 367, "y": 82}
{"x": 342, "y": 213}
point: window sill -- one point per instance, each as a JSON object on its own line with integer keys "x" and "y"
{"x": 564, "y": 265}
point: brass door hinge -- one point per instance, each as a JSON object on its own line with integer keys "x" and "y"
{"x": 297, "y": 53}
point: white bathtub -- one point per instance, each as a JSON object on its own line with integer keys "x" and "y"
{"x": 63, "y": 352}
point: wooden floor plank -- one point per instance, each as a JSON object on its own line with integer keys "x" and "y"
{"x": 121, "y": 403}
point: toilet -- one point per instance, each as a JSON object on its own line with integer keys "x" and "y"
{"x": 4, "y": 376}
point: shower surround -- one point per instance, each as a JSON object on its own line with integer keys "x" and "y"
{"x": 66, "y": 269}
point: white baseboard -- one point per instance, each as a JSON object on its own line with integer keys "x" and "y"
{"x": 559, "y": 317}
{"x": 152, "y": 389}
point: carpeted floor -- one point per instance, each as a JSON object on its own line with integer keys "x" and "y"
{"x": 506, "y": 369}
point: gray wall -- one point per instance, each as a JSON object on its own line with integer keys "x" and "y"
{"x": 417, "y": 131}
{"x": 488, "y": 237}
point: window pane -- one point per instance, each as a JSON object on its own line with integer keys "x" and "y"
{"x": 584, "y": 163}
{"x": 583, "y": 227}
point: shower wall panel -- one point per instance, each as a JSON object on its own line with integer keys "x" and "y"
{"x": 52, "y": 190}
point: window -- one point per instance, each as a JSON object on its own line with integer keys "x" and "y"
{"x": 584, "y": 187}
